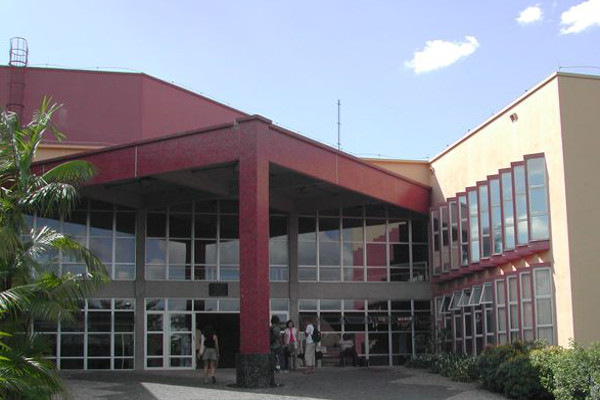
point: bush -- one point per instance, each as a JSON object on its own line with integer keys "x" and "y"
{"x": 507, "y": 369}
{"x": 489, "y": 364}
{"x": 594, "y": 363}
{"x": 421, "y": 361}
{"x": 465, "y": 369}
{"x": 546, "y": 361}
{"x": 458, "y": 367}
{"x": 524, "y": 370}
{"x": 520, "y": 379}
{"x": 577, "y": 373}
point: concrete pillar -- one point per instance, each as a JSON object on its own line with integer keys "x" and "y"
{"x": 253, "y": 363}
{"x": 294, "y": 284}
{"x": 140, "y": 288}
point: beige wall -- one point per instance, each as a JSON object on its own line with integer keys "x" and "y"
{"x": 497, "y": 143}
{"x": 46, "y": 151}
{"x": 412, "y": 169}
{"x": 580, "y": 116}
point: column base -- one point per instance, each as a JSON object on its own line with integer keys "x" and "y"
{"x": 254, "y": 370}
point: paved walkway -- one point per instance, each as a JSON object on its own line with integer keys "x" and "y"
{"x": 328, "y": 383}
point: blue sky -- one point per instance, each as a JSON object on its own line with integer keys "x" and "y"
{"x": 412, "y": 76}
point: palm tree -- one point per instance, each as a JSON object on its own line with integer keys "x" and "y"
{"x": 28, "y": 289}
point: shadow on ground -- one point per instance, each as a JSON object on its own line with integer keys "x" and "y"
{"x": 327, "y": 383}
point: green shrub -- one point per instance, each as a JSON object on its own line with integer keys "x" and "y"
{"x": 422, "y": 361}
{"x": 546, "y": 361}
{"x": 489, "y": 363}
{"x": 594, "y": 366}
{"x": 520, "y": 379}
{"x": 496, "y": 371}
{"x": 465, "y": 369}
{"x": 458, "y": 367}
{"x": 577, "y": 373}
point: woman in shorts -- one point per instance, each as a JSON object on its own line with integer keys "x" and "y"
{"x": 209, "y": 352}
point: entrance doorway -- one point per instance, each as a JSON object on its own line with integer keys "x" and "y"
{"x": 227, "y": 328}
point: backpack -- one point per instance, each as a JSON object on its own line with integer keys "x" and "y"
{"x": 316, "y": 335}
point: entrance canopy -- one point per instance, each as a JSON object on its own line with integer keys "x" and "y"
{"x": 304, "y": 175}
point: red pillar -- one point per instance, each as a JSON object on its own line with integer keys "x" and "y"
{"x": 254, "y": 241}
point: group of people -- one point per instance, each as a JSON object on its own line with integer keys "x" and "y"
{"x": 286, "y": 347}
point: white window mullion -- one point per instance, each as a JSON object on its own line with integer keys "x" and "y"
{"x": 411, "y": 275}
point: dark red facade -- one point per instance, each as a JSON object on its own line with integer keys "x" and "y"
{"x": 108, "y": 108}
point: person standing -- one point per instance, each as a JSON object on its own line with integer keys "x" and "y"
{"x": 310, "y": 346}
{"x": 276, "y": 342}
{"x": 290, "y": 341}
{"x": 347, "y": 349}
{"x": 209, "y": 352}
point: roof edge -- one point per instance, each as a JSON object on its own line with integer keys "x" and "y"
{"x": 259, "y": 118}
{"x": 396, "y": 160}
{"x": 346, "y": 155}
{"x": 496, "y": 115}
{"x": 510, "y": 105}
{"x": 139, "y": 74}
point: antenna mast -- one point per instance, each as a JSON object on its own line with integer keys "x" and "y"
{"x": 19, "y": 54}
{"x": 339, "y": 124}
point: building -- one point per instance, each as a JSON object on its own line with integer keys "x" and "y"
{"x": 206, "y": 215}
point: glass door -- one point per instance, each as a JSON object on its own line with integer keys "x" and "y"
{"x": 180, "y": 341}
{"x": 169, "y": 338}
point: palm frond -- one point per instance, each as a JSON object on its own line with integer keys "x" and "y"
{"x": 25, "y": 373}
{"x": 17, "y": 298}
{"x": 74, "y": 172}
{"x": 51, "y": 198}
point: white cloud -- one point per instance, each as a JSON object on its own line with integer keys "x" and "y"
{"x": 530, "y": 15}
{"x": 580, "y": 17}
{"x": 440, "y": 53}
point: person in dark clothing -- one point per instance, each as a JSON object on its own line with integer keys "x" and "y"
{"x": 209, "y": 352}
{"x": 276, "y": 342}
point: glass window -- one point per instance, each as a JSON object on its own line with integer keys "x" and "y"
{"x": 435, "y": 243}
{"x": 329, "y": 254}
{"x": 454, "y": 235}
{"x": 538, "y": 198}
{"x": 375, "y": 230}
{"x": 353, "y": 230}
{"x": 464, "y": 235}
{"x": 398, "y": 231}
{"x": 445, "y": 236}
{"x": 107, "y": 343}
{"x": 205, "y": 226}
{"x": 508, "y": 212}
{"x": 521, "y": 205}
{"x": 329, "y": 229}
{"x": 486, "y": 295}
{"x": 544, "y": 307}
{"x": 108, "y": 233}
{"x": 156, "y": 225}
{"x": 473, "y": 226}
{"x": 474, "y": 300}
{"x": 180, "y": 225}
{"x": 484, "y": 219}
{"x": 496, "y": 214}
{"x": 278, "y": 248}
{"x": 307, "y": 248}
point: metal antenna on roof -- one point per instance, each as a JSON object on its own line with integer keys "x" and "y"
{"x": 339, "y": 142}
{"x": 19, "y": 55}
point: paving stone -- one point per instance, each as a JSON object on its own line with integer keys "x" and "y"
{"x": 327, "y": 383}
